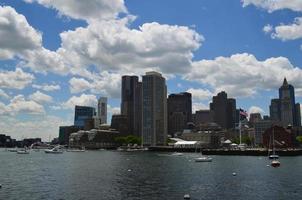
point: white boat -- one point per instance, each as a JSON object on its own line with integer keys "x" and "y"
{"x": 23, "y": 151}
{"x": 55, "y": 150}
{"x": 203, "y": 159}
{"x": 13, "y": 150}
{"x": 275, "y": 163}
{"x": 274, "y": 155}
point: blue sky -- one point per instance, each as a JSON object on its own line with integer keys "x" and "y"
{"x": 55, "y": 54}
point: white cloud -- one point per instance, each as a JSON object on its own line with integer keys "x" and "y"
{"x": 273, "y": 5}
{"x": 288, "y": 32}
{"x": 256, "y": 109}
{"x": 87, "y": 10}
{"x": 243, "y": 74}
{"x": 112, "y": 45}
{"x": 199, "y": 106}
{"x": 16, "y": 35}
{"x": 17, "y": 79}
{"x": 200, "y": 94}
{"x": 19, "y": 105}
{"x": 46, "y": 87}
{"x": 104, "y": 83}
{"x": 83, "y": 100}
{"x": 113, "y": 110}
{"x": 40, "y": 97}
{"x": 3, "y": 94}
{"x": 267, "y": 28}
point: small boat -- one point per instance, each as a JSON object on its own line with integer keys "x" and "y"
{"x": 23, "y": 151}
{"x": 203, "y": 159}
{"x": 273, "y": 156}
{"x": 187, "y": 196}
{"x": 177, "y": 154}
{"x": 55, "y": 150}
{"x": 275, "y": 163}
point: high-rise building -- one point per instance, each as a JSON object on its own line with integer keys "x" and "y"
{"x": 275, "y": 110}
{"x": 81, "y": 114}
{"x": 203, "y": 117}
{"x": 224, "y": 110}
{"x": 131, "y": 103}
{"x": 254, "y": 117}
{"x": 154, "y": 109}
{"x": 179, "y": 112}
{"x": 102, "y": 109}
{"x": 298, "y": 114}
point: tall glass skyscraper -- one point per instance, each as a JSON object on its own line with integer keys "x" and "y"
{"x": 154, "y": 109}
{"x": 81, "y": 114}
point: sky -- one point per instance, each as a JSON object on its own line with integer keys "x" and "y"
{"x": 55, "y": 54}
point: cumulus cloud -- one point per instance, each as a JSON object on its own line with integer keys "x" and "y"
{"x": 86, "y": 10}
{"x": 16, "y": 35}
{"x": 200, "y": 94}
{"x": 104, "y": 83}
{"x": 19, "y": 105}
{"x": 244, "y": 75}
{"x": 3, "y": 94}
{"x": 255, "y": 109}
{"x": 273, "y": 5}
{"x": 288, "y": 32}
{"x": 17, "y": 79}
{"x": 40, "y": 97}
{"x": 46, "y": 87}
{"x": 83, "y": 100}
{"x": 199, "y": 106}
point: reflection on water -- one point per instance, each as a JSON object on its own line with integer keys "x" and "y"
{"x": 145, "y": 175}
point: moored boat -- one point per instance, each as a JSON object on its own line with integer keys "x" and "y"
{"x": 55, "y": 150}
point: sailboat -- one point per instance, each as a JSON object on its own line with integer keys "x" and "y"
{"x": 203, "y": 158}
{"x": 274, "y": 156}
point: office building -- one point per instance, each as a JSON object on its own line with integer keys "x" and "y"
{"x": 275, "y": 110}
{"x": 154, "y": 109}
{"x": 179, "y": 112}
{"x": 81, "y": 114}
{"x": 203, "y": 117}
{"x": 102, "y": 110}
{"x": 224, "y": 110}
{"x": 131, "y": 103}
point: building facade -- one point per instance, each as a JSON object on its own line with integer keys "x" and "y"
{"x": 102, "y": 109}
{"x": 179, "y": 112}
{"x": 202, "y": 117}
{"x": 131, "y": 103}
{"x": 224, "y": 110}
{"x": 154, "y": 109}
{"x": 81, "y": 114}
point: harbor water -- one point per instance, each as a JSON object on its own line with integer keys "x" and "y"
{"x": 114, "y": 175}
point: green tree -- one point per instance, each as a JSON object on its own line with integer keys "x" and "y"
{"x": 299, "y": 139}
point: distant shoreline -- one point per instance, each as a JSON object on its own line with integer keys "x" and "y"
{"x": 248, "y": 152}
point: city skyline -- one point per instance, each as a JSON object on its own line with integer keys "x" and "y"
{"x": 67, "y": 57}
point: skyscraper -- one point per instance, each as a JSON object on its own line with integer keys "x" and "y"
{"x": 81, "y": 114}
{"x": 275, "y": 110}
{"x": 287, "y": 104}
{"x": 154, "y": 109}
{"x": 131, "y": 103}
{"x": 179, "y": 112}
{"x": 102, "y": 109}
{"x": 224, "y": 110}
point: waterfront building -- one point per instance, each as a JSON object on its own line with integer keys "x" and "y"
{"x": 179, "y": 112}
{"x": 224, "y": 110}
{"x": 102, "y": 109}
{"x": 131, "y": 103}
{"x": 6, "y": 141}
{"x": 203, "y": 116}
{"x": 154, "y": 109}
{"x": 82, "y": 113}
{"x": 298, "y": 114}
{"x": 283, "y": 137}
{"x": 260, "y": 127}
{"x": 64, "y": 133}
{"x": 120, "y": 123}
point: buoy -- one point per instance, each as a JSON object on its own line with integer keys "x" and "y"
{"x": 268, "y": 165}
{"x": 187, "y": 196}
{"x": 234, "y": 174}
{"x": 129, "y": 170}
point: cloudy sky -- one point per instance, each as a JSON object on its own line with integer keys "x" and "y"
{"x": 58, "y": 53}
